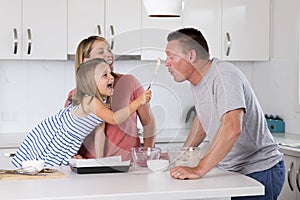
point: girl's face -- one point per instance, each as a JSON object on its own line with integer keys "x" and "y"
{"x": 100, "y": 49}
{"x": 104, "y": 79}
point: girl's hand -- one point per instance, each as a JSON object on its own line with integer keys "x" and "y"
{"x": 145, "y": 97}
{"x": 77, "y": 157}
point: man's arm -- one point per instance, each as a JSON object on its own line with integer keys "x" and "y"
{"x": 196, "y": 135}
{"x": 226, "y": 136}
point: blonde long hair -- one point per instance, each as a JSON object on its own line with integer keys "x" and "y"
{"x": 84, "y": 49}
{"x": 86, "y": 84}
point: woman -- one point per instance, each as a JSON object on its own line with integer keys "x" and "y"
{"x": 119, "y": 138}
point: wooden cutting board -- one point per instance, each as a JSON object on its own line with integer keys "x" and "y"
{"x": 54, "y": 174}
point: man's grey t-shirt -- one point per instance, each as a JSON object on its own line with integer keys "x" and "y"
{"x": 224, "y": 88}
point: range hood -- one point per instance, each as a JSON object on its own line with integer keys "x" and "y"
{"x": 164, "y": 8}
{"x": 117, "y": 57}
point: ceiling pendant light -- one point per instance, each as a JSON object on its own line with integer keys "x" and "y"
{"x": 164, "y": 8}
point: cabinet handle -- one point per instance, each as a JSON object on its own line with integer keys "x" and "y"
{"x": 15, "y": 41}
{"x": 29, "y": 42}
{"x": 289, "y": 175}
{"x": 297, "y": 179}
{"x": 99, "y": 29}
{"x": 112, "y": 32}
{"x": 228, "y": 44}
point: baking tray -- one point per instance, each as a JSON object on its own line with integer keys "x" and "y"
{"x": 100, "y": 169}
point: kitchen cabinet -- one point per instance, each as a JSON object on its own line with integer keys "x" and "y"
{"x": 235, "y": 29}
{"x": 245, "y": 29}
{"x": 105, "y": 18}
{"x": 85, "y": 18}
{"x": 30, "y": 30}
{"x": 154, "y": 34}
{"x": 205, "y": 16}
{"x": 291, "y": 187}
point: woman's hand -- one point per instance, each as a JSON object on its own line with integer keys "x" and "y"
{"x": 145, "y": 97}
{"x": 183, "y": 173}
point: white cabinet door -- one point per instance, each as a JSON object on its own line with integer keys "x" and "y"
{"x": 123, "y": 26}
{"x": 11, "y": 29}
{"x": 291, "y": 187}
{"x": 205, "y": 16}
{"x": 245, "y": 28}
{"x": 154, "y": 34}
{"x": 234, "y": 29}
{"x": 33, "y": 29}
{"x": 118, "y": 21}
{"x": 85, "y": 18}
{"x": 44, "y": 26}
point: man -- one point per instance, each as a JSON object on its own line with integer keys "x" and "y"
{"x": 228, "y": 113}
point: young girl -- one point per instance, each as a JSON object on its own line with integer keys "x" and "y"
{"x": 58, "y": 138}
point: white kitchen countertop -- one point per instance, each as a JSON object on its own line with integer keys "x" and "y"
{"x": 285, "y": 139}
{"x": 136, "y": 184}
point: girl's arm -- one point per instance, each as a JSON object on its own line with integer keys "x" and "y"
{"x": 121, "y": 115}
{"x": 99, "y": 140}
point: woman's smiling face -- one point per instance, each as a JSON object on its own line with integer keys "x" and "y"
{"x": 104, "y": 79}
{"x": 101, "y": 49}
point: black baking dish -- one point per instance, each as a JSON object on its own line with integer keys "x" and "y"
{"x": 100, "y": 169}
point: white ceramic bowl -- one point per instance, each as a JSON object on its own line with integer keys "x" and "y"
{"x": 184, "y": 156}
{"x": 37, "y": 164}
{"x": 158, "y": 165}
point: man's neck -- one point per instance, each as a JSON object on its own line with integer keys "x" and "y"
{"x": 201, "y": 69}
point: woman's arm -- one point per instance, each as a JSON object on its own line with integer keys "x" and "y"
{"x": 148, "y": 123}
{"x": 99, "y": 140}
{"x": 121, "y": 115}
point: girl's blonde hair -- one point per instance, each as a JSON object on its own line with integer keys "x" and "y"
{"x": 86, "y": 84}
{"x": 83, "y": 51}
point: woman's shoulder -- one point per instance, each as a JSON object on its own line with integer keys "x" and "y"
{"x": 128, "y": 76}
{"x": 128, "y": 83}
{"x": 128, "y": 79}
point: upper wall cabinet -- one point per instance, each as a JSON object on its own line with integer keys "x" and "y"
{"x": 246, "y": 29}
{"x": 30, "y": 29}
{"x": 205, "y": 16}
{"x": 234, "y": 29}
{"x": 154, "y": 34}
{"x": 106, "y": 18}
{"x": 85, "y": 18}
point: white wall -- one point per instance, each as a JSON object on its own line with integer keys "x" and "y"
{"x": 275, "y": 82}
{"x": 32, "y": 90}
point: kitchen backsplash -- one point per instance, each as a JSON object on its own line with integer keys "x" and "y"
{"x": 33, "y": 90}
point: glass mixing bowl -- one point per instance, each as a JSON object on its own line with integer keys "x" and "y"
{"x": 140, "y": 155}
{"x": 184, "y": 156}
